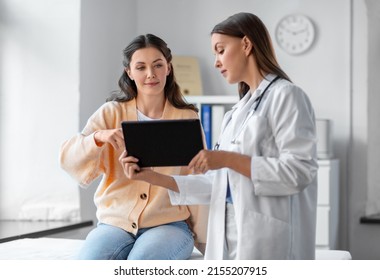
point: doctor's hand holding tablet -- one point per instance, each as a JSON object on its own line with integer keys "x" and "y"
{"x": 261, "y": 183}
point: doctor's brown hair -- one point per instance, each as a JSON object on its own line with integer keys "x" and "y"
{"x": 249, "y": 25}
{"x": 128, "y": 89}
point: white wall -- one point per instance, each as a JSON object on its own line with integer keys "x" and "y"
{"x": 39, "y": 106}
{"x": 106, "y": 29}
{"x": 373, "y": 204}
{"x": 363, "y": 160}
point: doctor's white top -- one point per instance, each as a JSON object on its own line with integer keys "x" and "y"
{"x": 275, "y": 209}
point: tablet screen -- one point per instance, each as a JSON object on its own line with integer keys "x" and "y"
{"x": 163, "y": 142}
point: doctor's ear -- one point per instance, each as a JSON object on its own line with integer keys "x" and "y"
{"x": 247, "y": 45}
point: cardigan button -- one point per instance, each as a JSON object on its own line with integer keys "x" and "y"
{"x": 134, "y": 225}
{"x": 143, "y": 196}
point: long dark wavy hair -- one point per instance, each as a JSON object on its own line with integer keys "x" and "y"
{"x": 128, "y": 89}
{"x": 247, "y": 24}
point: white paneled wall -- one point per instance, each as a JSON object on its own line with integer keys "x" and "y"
{"x": 39, "y": 107}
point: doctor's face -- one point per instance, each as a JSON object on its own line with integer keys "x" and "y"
{"x": 230, "y": 57}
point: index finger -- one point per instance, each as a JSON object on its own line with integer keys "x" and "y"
{"x": 123, "y": 155}
{"x": 194, "y": 161}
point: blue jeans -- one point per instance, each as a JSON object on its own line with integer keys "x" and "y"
{"x": 172, "y": 241}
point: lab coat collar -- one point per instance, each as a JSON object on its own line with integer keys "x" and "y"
{"x": 242, "y": 101}
{"x": 263, "y": 84}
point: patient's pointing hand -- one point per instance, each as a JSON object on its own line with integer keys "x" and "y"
{"x": 114, "y": 137}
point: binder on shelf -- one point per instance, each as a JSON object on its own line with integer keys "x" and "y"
{"x": 207, "y": 123}
{"x": 217, "y": 114}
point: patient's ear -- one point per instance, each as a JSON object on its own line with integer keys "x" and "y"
{"x": 128, "y": 71}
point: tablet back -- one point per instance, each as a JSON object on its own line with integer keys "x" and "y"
{"x": 163, "y": 142}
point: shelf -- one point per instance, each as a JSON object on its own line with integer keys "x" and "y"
{"x": 370, "y": 219}
{"x": 212, "y": 99}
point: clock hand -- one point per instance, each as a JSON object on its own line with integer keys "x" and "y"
{"x": 299, "y": 31}
{"x": 295, "y": 32}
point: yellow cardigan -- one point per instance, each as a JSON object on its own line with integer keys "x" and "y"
{"x": 121, "y": 202}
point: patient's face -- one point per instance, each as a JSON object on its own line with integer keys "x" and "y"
{"x": 149, "y": 69}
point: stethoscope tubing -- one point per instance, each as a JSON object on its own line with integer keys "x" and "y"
{"x": 252, "y": 111}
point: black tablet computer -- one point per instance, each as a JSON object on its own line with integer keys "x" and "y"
{"x": 163, "y": 142}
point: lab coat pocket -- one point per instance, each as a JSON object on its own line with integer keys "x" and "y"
{"x": 264, "y": 237}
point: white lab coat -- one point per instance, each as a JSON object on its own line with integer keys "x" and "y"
{"x": 275, "y": 209}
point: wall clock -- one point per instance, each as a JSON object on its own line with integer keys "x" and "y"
{"x": 295, "y": 34}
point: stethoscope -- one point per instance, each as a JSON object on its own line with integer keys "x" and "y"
{"x": 251, "y": 112}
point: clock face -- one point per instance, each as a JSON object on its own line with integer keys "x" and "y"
{"x": 295, "y": 34}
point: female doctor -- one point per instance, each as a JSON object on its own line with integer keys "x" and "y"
{"x": 261, "y": 177}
